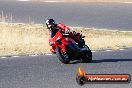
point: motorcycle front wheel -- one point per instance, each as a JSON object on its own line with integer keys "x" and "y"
{"x": 63, "y": 57}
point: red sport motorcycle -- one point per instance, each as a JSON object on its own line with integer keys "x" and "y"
{"x": 67, "y": 49}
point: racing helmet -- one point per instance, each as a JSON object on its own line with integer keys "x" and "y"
{"x": 49, "y": 23}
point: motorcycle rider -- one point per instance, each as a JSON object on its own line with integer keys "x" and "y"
{"x": 54, "y": 28}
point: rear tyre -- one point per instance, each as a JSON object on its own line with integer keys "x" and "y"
{"x": 64, "y": 58}
{"x": 86, "y": 55}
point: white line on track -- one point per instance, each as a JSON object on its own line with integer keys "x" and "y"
{"x": 121, "y": 49}
{"x": 33, "y": 55}
{"x": 15, "y": 56}
{"x": 48, "y": 54}
{"x": 3, "y": 57}
{"x": 93, "y": 51}
{"x": 108, "y": 50}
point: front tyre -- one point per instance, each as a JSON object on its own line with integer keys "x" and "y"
{"x": 64, "y": 58}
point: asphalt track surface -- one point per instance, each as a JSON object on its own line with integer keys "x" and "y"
{"x": 98, "y": 15}
{"x": 46, "y": 71}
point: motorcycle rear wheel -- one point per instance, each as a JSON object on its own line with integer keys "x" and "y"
{"x": 64, "y": 58}
{"x": 86, "y": 56}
